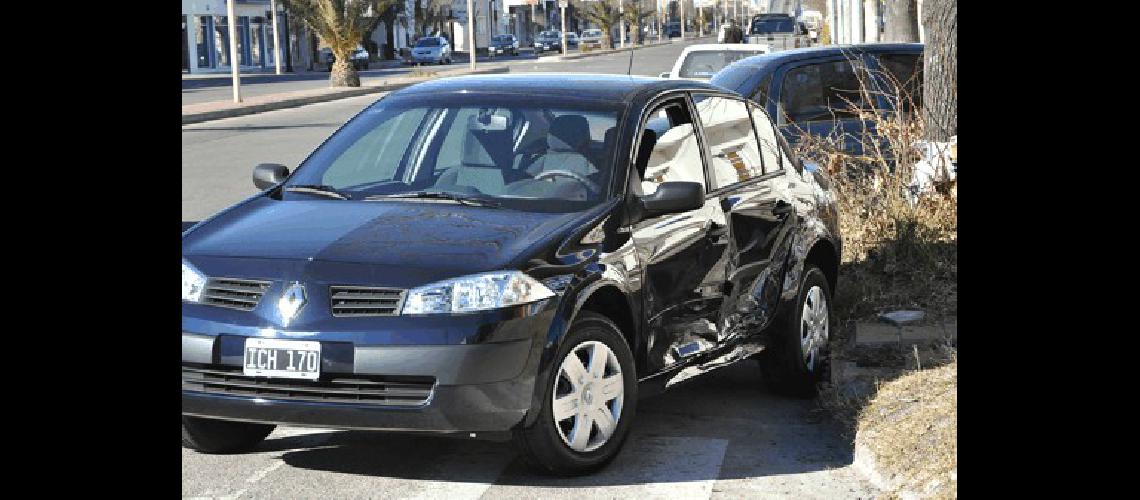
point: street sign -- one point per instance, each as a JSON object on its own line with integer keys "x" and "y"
{"x": 563, "y": 3}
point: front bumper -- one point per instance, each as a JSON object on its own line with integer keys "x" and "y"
{"x": 481, "y": 380}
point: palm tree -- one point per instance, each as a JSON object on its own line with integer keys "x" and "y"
{"x": 341, "y": 24}
{"x": 601, "y": 13}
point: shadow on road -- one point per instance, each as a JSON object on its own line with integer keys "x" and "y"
{"x": 722, "y": 426}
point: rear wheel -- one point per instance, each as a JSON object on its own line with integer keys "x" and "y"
{"x": 588, "y": 401}
{"x": 799, "y": 358}
{"x": 221, "y": 436}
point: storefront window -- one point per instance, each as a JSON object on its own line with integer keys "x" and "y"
{"x": 202, "y": 40}
{"x": 221, "y": 41}
{"x": 256, "y": 32}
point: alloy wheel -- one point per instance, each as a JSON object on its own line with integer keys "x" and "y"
{"x": 813, "y": 326}
{"x": 588, "y": 395}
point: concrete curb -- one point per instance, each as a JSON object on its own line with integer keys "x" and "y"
{"x": 272, "y": 102}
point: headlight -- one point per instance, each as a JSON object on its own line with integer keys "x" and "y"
{"x": 193, "y": 283}
{"x": 479, "y": 292}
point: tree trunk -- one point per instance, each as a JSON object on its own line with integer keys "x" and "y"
{"x": 901, "y": 18}
{"x": 635, "y": 34}
{"x": 343, "y": 74}
{"x": 940, "y": 68}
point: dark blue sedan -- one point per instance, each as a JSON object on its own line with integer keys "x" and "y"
{"x": 817, "y": 90}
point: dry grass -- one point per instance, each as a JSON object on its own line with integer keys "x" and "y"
{"x": 420, "y": 72}
{"x": 897, "y": 252}
{"x": 910, "y": 429}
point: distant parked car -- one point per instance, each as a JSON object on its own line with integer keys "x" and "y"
{"x": 571, "y": 40}
{"x": 779, "y": 31}
{"x": 591, "y": 38}
{"x": 359, "y": 58}
{"x": 672, "y": 29}
{"x": 548, "y": 40}
{"x": 504, "y": 44}
{"x": 702, "y": 61}
{"x": 431, "y": 50}
{"x": 807, "y": 90}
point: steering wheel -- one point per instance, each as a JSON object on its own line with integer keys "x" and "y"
{"x": 590, "y": 186}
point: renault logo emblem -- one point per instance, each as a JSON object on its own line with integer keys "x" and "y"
{"x": 291, "y": 302}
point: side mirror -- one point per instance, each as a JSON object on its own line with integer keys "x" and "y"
{"x": 267, "y": 175}
{"x": 671, "y": 198}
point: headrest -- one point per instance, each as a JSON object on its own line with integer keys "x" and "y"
{"x": 568, "y": 133}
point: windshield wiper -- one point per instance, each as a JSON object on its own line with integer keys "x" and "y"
{"x": 438, "y": 195}
{"x": 317, "y": 189}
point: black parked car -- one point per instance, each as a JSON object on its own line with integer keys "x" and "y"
{"x": 807, "y": 90}
{"x": 509, "y": 256}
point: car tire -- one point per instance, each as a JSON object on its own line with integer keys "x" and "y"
{"x": 222, "y": 436}
{"x": 546, "y": 445}
{"x": 798, "y": 358}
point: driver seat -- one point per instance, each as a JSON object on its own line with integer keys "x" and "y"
{"x": 567, "y": 139}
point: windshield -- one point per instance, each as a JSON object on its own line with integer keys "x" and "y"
{"x": 551, "y": 34}
{"x": 525, "y": 157}
{"x": 428, "y": 42}
{"x": 502, "y": 38}
{"x": 591, "y": 32}
{"x": 763, "y": 26}
{"x": 706, "y": 63}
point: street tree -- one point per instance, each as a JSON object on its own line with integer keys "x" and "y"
{"x": 341, "y": 25}
{"x": 637, "y": 13}
{"x": 603, "y": 13}
{"x": 940, "y": 69}
{"x": 900, "y": 21}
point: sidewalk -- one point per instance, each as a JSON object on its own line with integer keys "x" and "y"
{"x": 200, "y": 112}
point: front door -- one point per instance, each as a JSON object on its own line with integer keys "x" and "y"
{"x": 681, "y": 252}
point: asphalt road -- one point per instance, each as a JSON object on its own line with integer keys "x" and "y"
{"x": 717, "y": 436}
{"x": 650, "y": 61}
{"x": 722, "y": 435}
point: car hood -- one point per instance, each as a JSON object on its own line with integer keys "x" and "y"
{"x": 426, "y": 241}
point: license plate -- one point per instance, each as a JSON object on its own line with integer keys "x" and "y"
{"x": 282, "y": 358}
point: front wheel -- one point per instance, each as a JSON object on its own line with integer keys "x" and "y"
{"x": 588, "y": 401}
{"x": 798, "y": 358}
{"x": 221, "y": 436}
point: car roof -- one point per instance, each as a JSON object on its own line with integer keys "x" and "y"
{"x": 600, "y": 87}
{"x": 784, "y": 56}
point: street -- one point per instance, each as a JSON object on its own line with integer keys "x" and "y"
{"x": 723, "y": 435}
{"x": 718, "y": 436}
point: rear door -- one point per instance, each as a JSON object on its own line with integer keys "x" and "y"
{"x": 747, "y": 174}
{"x": 822, "y": 97}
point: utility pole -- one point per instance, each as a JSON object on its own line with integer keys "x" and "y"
{"x": 235, "y": 71}
{"x": 562, "y": 8}
{"x": 276, "y": 36}
{"x": 471, "y": 32}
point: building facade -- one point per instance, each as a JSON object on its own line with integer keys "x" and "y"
{"x": 206, "y": 38}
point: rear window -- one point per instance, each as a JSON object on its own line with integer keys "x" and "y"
{"x": 428, "y": 42}
{"x": 764, "y": 26}
{"x": 705, "y": 64}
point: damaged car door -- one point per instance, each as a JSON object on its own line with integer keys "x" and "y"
{"x": 749, "y": 186}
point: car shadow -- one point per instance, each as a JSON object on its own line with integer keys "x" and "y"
{"x": 724, "y": 425}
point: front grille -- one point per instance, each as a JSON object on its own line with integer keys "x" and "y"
{"x": 374, "y": 390}
{"x": 349, "y": 301}
{"x": 234, "y": 293}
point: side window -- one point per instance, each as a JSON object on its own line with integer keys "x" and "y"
{"x": 761, "y": 94}
{"x": 669, "y": 151}
{"x": 903, "y": 72}
{"x": 770, "y": 149}
{"x": 375, "y": 156}
{"x": 820, "y": 92}
{"x": 732, "y": 141}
